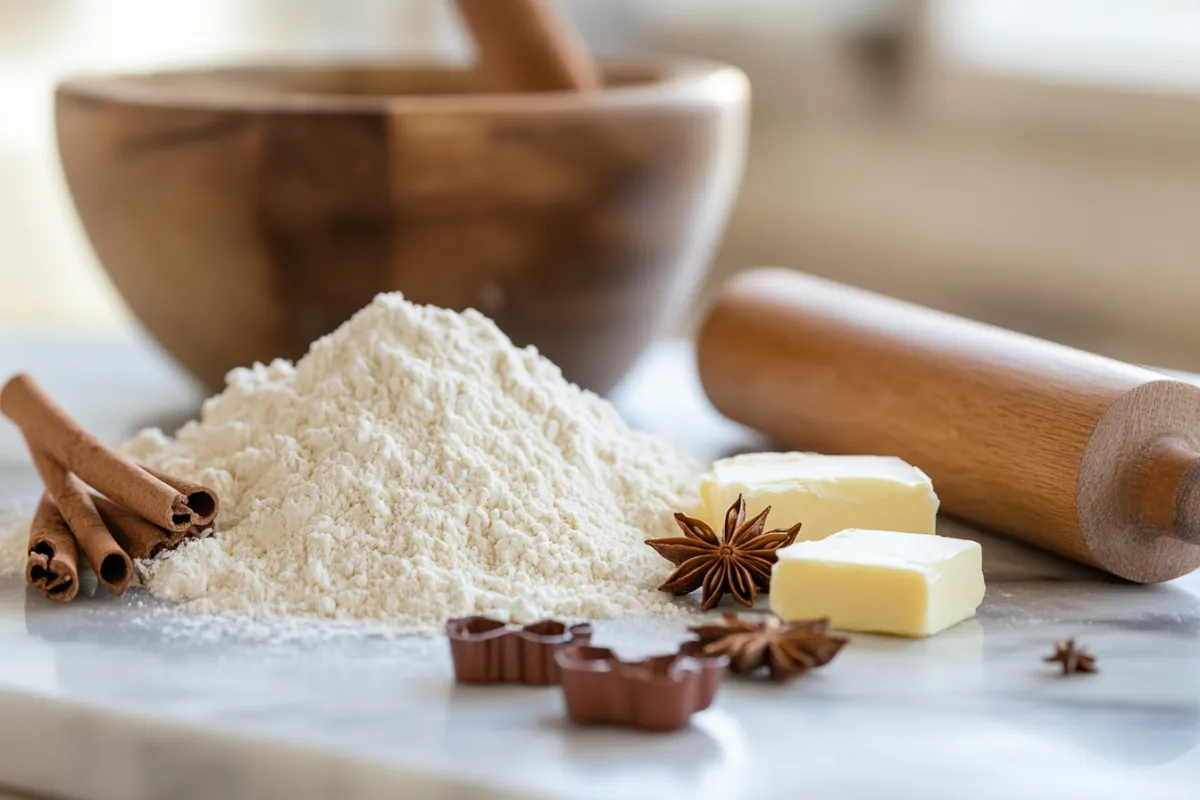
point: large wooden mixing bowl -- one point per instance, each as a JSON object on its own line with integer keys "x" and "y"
{"x": 243, "y": 212}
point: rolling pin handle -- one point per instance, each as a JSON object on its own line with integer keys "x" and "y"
{"x": 1167, "y": 489}
{"x": 1187, "y": 505}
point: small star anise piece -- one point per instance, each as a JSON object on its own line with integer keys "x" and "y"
{"x": 738, "y": 563}
{"x": 787, "y": 650}
{"x": 1072, "y": 657}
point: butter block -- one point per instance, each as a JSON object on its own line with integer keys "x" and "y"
{"x": 880, "y": 582}
{"x": 826, "y": 493}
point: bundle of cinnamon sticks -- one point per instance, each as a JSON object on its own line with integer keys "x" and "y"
{"x": 96, "y": 500}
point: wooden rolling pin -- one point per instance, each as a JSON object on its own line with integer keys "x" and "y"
{"x": 1072, "y": 452}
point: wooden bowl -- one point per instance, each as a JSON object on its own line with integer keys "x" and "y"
{"x": 243, "y": 212}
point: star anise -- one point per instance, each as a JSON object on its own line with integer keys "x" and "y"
{"x": 738, "y": 563}
{"x": 1072, "y": 657}
{"x": 787, "y": 650}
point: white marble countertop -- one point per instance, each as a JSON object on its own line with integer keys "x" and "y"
{"x": 126, "y": 699}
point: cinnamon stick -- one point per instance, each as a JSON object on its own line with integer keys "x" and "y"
{"x": 137, "y": 537}
{"x": 48, "y": 427}
{"x": 200, "y": 499}
{"x": 110, "y": 563}
{"x": 53, "y": 564}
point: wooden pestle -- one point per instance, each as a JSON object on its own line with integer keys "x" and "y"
{"x": 526, "y": 46}
{"x": 1072, "y": 452}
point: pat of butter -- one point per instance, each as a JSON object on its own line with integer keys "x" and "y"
{"x": 880, "y": 582}
{"x": 826, "y": 493}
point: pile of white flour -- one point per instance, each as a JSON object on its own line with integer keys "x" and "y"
{"x": 416, "y": 466}
{"x": 14, "y": 537}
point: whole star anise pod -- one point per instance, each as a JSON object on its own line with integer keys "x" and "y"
{"x": 1072, "y": 657}
{"x": 787, "y": 650}
{"x": 738, "y": 563}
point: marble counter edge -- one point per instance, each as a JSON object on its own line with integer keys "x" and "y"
{"x": 123, "y": 764}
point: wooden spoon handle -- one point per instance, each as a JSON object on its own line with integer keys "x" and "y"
{"x": 527, "y": 46}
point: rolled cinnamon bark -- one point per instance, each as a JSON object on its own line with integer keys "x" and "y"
{"x": 137, "y": 537}
{"x": 110, "y": 563}
{"x": 48, "y": 427}
{"x": 201, "y": 500}
{"x": 53, "y": 564}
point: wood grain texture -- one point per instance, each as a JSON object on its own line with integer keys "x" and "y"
{"x": 1039, "y": 441}
{"x": 281, "y": 200}
{"x": 527, "y": 46}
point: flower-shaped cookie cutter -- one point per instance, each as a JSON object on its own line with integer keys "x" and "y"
{"x": 654, "y": 694}
{"x": 486, "y": 650}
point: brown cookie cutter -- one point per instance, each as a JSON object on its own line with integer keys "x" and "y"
{"x": 654, "y": 694}
{"x": 486, "y": 650}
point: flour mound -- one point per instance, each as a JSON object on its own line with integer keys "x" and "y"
{"x": 14, "y": 542}
{"x": 416, "y": 466}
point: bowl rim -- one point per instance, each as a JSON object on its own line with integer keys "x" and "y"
{"x": 681, "y": 81}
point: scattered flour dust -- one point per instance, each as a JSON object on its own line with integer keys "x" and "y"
{"x": 416, "y": 466}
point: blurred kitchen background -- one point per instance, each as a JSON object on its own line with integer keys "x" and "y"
{"x": 1032, "y": 163}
